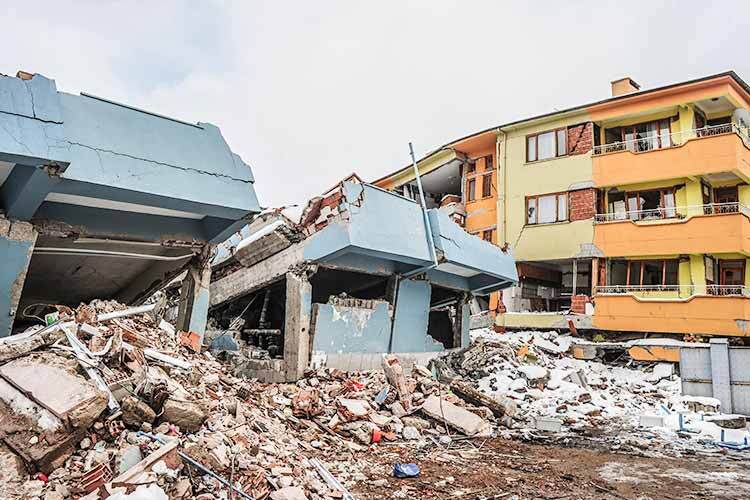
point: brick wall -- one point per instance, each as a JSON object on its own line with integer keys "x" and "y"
{"x": 578, "y": 304}
{"x": 580, "y": 138}
{"x": 582, "y": 204}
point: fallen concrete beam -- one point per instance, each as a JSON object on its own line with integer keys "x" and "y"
{"x": 454, "y": 416}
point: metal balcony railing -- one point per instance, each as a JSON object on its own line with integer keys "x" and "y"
{"x": 668, "y": 140}
{"x": 679, "y": 212}
{"x": 683, "y": 290}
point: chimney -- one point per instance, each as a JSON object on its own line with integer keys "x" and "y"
{"x": 24, "y": 75}
{"x": 624, "y": 86}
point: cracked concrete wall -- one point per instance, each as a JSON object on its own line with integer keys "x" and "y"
{"x": 31, "y": 130}
{"x": 140, "y": 151}
{"x": 16, "y": 245}
{"x": 340, "y": 329}
{"x": 100, "y": 142}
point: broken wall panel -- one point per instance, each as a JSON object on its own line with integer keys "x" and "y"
{"x": 339, "y": 328}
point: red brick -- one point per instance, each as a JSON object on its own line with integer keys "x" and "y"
{"x": 578, "y": 304}
{"x": 580, "y": 138}
{"x": 582, "y": 204}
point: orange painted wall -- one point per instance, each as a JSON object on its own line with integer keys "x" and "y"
{"x": 722, "y": 86}
{"x": 481, "y": 213}
{"x": 697, "y": 315}
{"x": 723, "y": 233}
{"x": 704, "y": 155}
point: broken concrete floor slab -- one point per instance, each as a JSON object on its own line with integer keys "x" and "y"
{"x": 456, "y": 417}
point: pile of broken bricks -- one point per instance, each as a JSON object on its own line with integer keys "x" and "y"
{"x": 112, "y": 402}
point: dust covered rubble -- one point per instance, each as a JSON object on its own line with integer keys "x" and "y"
{"x": 129, "y": 408}
{"x": 615, "y": 401}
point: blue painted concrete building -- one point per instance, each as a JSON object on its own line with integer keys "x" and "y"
{"x": 103, "y": 200}
{"x": 365, "y": 280}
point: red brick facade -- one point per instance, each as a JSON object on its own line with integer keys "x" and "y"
{"x": 578, "y": 304}
{"x": 582, "y": 204}
{"x": 580, "y": 138}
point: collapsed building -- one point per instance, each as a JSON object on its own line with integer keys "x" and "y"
{"x": 364, "y": 272}
{"x": 103, "y": 200}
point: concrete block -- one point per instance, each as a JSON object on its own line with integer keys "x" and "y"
{"x": 548, "y": 424}
{"x": 651, "y": 421}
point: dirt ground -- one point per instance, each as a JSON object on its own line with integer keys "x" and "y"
{"x": 500, "y": 468}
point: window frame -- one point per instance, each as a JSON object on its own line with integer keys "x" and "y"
{"x": 554, "y": 133}
{"x": 641, "y": 262}
{"x": 486, "y": 180}
{"x": 557, "y": 196}
{"x": 485, "y": 232}
{"x": 471, "y": 194}
{"x": 662, "y": 208}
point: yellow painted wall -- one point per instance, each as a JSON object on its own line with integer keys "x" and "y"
{"x": 544, "y": 241}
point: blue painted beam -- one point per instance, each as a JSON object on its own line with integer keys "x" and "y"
{"x": 24, "y": 190}
{"x": 105, "y": 223}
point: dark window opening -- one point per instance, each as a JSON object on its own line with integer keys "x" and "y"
{"x": 486, "y": 185}
{"x": 471, "y": 190}
{"x": 444, "y": 323}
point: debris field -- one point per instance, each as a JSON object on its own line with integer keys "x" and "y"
{"x": 112, "y": 402}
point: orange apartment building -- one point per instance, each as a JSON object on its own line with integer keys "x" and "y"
{"x": 629, "y": 214}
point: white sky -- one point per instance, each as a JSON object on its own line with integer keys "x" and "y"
{"x": 309, "y": 91}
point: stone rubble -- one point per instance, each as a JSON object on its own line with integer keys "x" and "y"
{"x": 181, "y": 424}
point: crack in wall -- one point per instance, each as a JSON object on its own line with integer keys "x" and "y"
{"x": 31, "y": 97}
{"x": 178, "y": 167}
{"x": 10, "y": 113}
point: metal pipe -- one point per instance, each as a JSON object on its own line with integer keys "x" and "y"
{"x": 425, "y": 216}
{"x": 107, "y": 253}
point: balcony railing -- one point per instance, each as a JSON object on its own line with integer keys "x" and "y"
{"x": 679, "y": 212}
{"x": 683, "y": 290}
{"x": 668, "y": 140}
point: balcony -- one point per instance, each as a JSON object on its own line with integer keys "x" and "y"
{"x": 714, "y": 228}
{"x": 717, "y": 149}
{"x": 712, "y": 310}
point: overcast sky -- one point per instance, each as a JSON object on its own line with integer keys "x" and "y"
{"x": 310, "y": 91}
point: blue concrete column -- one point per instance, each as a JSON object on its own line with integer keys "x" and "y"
{"x": 465, "y": 311}
{"x": 412, "y": 316}
{"x": 194, "y": 295}
{"x": 16, "y": 245}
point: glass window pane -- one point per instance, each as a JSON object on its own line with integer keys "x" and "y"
{"x": 531, "y": 148}
{"x": 472, "y": 189}
{"x": 664, "y": 134}
{"x": 673, "y": 273}
{"x": 547, "y": 209}
{"x": 635, "y": 273}
{"x": 669, "y": 204}
{"x": 531, "y": 211}
{"x": 633, "y": 204}
{"x": 487, "y": 186}
{"x": 562, "y": 207}
{"x": 618, "y": 273}
{"x": 562, "y": 142}
{"x": 546, "y": 145}
{"x": 652, "y": 272}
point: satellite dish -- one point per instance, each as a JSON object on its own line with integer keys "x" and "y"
{"x": 741, "y": 117}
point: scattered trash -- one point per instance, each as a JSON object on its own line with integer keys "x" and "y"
{"x": 402, "y": 471}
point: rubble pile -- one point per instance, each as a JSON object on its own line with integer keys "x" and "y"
{"x": 555, "y": 391}
{"x": 110, "y": 402}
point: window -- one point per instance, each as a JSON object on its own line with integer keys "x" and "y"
{"x": 646, "y": 273}
{"x": 488, "y": 164}
{"x": 487, "y": 235}
{"x": 641, "y": 136}
{"x": 471, "y": 168}
{"x": 546, "y": 209}
{"x": 547, "y": 145}
{"x": 471, "y": 190}
{"x": 640, "y": 205}
{"x": 487, "y": 185}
